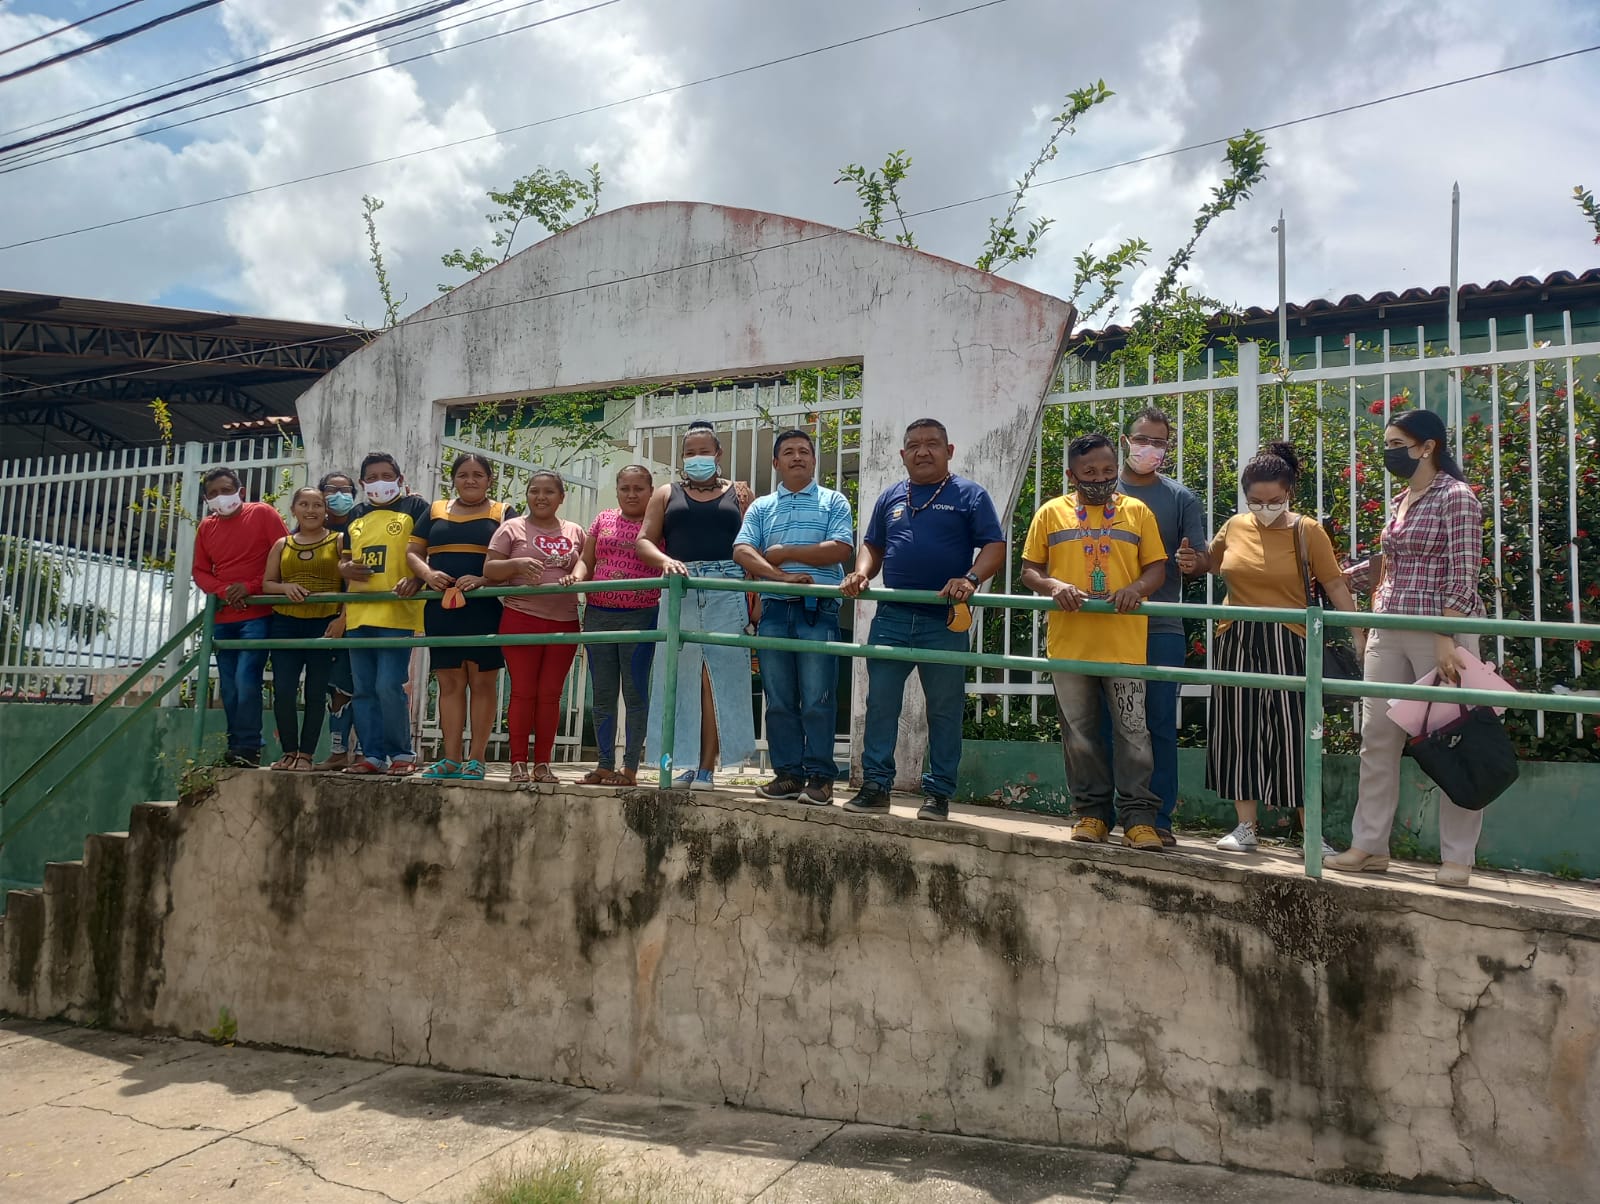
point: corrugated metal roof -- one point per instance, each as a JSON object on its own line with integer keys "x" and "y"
{"x": 1558, "y": 288}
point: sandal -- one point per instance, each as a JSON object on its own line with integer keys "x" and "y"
{"x": 298, "y": 763}
{"x": 443, "y": 770}
{"x": 542, "y": 773}
{"x": 363, "y": 766}
{"x": 625, "y": 777}
{"x": 471, "y": 770}
{"x": 334, "y": 763}
{"x": 519, "y": 773}
{"x": 402, "y": 768}
{"x": 598, "y": 777}
{"x": 284, "y": 762}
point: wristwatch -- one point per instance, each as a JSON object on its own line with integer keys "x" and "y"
{"x": 973, "y": 577}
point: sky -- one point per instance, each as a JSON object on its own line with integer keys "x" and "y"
{"x": 1366, "y": 195}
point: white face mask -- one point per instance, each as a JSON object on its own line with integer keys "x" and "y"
{"x": 1269, "y": 513}
{"x": 381, "y": 492}
{"x": 225, "y": 503}
{"x": 1143, "y": 458}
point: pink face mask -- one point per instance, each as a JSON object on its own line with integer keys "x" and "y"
{"x": 225, "y": 504}
{"x": 1142, "y": 458}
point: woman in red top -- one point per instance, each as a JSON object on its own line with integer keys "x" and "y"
{"x": 1432, "y": 553}
{"x": 537, "y": 548}
{"x": 230, "y": 558}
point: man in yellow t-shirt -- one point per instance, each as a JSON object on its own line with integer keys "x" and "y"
{"x": 1098, "y": 543}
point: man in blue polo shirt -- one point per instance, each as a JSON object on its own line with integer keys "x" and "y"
{"x": 923, "y": 534}
{"x": 803, "y": 533}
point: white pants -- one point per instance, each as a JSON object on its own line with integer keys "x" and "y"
{"x": 1402, "y": 656}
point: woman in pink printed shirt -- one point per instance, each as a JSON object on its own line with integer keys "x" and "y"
{"x": 1432, "y": 554}
{"x": 610, "y": 553}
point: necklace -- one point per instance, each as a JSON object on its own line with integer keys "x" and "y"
{"x": 1097, "y": 546}
{"x": 911, "y": 510}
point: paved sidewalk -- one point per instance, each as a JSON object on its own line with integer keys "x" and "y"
{"x": 88, "y": 1114}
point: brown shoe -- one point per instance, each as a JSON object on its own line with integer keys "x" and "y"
{"x": 818, "y": 792}
{"x": 1143, "y": 836}
{"x": 1093, "y": 831}
{"x": 1355, "y": 861}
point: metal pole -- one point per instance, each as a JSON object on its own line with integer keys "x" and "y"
{"x": 202, "y": 677}
{"x": 1312, "y": 837}
{"x": 1453, "y": 405}
{"x": 1249, "y": 406}
{"x": 669, "y": 704}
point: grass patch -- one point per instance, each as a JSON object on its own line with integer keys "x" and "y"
{"x": 575, "y": 1176}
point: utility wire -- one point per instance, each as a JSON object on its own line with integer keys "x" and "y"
{"x": 60, "y": 29}
{"x": 183, "y": 79}
{"x": 42, "y": 155}
{"x": 543, "y": 121}
{"x": 111, "y": 39}
{"x": 378, "y": 27}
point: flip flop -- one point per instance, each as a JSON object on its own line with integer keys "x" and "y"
{"x": 363, "y": 767}
{"x": 402, "y": 769}
{"x": 597, "y": 777}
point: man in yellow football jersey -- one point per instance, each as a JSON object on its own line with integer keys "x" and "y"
{"x": 1098, "y": 543}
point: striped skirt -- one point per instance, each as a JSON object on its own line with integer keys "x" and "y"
{"x": 1256, "y": 748}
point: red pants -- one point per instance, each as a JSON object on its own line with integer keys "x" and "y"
{"x": 538, "y": 673}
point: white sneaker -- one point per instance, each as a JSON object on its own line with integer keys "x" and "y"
{"x": 1328, "y": 850}
{"x": 1241, "y": 840}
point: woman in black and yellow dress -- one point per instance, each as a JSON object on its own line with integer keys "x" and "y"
{"x": 456, "y": 534}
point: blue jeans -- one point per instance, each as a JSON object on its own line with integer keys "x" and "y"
{"x": 239, "y": 681}
{"x": 897, "y": 625}
{"x": 801, "y": 688}
{"x": 1169, "y": 649}
{"x": 341, "y": 727}
{"x": 240, "y": 675}
{"x": 383, "y": 713}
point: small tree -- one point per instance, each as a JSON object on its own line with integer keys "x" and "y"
{"x": 545, "y": 197}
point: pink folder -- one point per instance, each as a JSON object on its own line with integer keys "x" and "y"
{"x": 1476, "y": 675}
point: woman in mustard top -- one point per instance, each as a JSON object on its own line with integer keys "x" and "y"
{"x": 305, "y": 562}
{"x": 1255, "y": 753}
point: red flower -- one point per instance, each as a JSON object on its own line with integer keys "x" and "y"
{"x": 1376, "y": 407}
{"x": 1592, "y": 592}
{"x": 1561, "y": 394}
{"x": 1585, "y": 647}
{"x": 1371, "y": 506}
{"x": 1475, "y": 420}
{"x": 1199, "y": 648}
{"x": 1398, "y": 401}
{"x": 1477, "y": 489}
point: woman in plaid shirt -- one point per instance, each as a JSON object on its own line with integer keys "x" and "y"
{"x": 1432, "y": 552}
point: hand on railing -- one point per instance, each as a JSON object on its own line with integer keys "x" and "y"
{"x": 852, "y": 585}
{"x": 439, "y": 579}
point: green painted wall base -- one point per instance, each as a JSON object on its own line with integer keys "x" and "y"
{"x": 1549, "y": 821}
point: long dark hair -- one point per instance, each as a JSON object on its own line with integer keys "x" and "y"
{"x": 1423, "y": 426}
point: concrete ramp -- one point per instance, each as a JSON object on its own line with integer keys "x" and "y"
{"x": 980, "y": 979}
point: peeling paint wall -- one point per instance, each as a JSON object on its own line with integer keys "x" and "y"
{"x": 610, "y": 301}
{"x": 813, "y": 962}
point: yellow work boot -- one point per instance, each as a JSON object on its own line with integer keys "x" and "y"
{"x": 1092, "y": 830}
{"x": 1143, "y": 836}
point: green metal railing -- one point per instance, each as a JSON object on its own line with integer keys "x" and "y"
{"x": 1314, "y": 685}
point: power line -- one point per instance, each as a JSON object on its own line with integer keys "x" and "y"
{"x": 61, "y": 29}
{"x": 610, "y": 104}
{"x": 42, "y": 155}
{"x": 378, "y": 27}
{"x": 182, "y": 79}
{"x": 111, "y": 39}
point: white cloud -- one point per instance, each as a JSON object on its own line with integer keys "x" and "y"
{"x": 1366, "y": 194}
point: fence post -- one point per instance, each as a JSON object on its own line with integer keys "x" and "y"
{"x": 669, "y": 704}
{"x": 1312, "y": 837}
{"x": 186, "y": 486}
{"x": 202, "y": 678}
{"x": 1249, "y": 434}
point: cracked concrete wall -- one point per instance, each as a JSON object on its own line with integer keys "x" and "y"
{"x": 813, "y": 962}
{"x": 610, "y": 302}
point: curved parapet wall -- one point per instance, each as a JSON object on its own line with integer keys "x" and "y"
{"x": 808, "y": 961}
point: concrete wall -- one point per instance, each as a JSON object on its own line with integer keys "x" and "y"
{"x": 679, "y": 291}
{"x": 808, "y": 961}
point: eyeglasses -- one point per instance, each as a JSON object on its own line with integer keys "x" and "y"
{"x": 1258, "y": 507}
{"x": 1146, "y": 441}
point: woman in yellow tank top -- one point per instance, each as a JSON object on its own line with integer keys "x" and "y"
{"x": 306, "y": 562}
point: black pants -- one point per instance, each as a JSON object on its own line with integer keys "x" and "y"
{"x": 299, "y": 734}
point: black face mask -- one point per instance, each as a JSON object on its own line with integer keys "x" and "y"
{"x": 1399, "y": 462}
{"x": 1096, "y": 492}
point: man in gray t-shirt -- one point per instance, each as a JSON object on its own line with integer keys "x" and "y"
{"x": 1180, "y": 518}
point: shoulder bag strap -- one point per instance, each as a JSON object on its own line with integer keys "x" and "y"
{"x": 1300, "y": 556}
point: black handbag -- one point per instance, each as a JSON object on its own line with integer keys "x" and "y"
{"x": 1471, "y": 758}
{"x": 1339, "y": 660}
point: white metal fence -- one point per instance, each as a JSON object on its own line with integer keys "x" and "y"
{"x": 98, "y": 549}
{"x": 1512, "y": 400}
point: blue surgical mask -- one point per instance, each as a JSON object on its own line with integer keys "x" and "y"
{"x": 341, "y": 503}
{"x": 700, "y": 468}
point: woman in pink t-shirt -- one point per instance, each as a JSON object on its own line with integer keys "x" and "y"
{"x": 537, "y": 548}
{"x": 611, "y": 554}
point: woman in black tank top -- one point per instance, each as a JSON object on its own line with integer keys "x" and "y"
{"x": 689, "y": 530}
